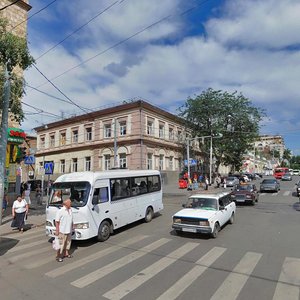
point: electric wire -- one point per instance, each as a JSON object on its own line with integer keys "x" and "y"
{"x": 79, "y": 28}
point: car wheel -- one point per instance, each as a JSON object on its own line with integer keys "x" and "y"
{"x": 216, "y": 230}
{"x": 104, "y": 231}
{"x": 231, "y": 220}
{"x": 149, "y": 215}
{"x": 178, "y": 232}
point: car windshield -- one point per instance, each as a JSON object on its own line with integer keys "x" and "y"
{"x": 231, "y": 178}
{"x": 202, "y": 203}
{"x": 78, "y": 192}
{"x": 269, "y": 181}
{"x": 245, "y": 187}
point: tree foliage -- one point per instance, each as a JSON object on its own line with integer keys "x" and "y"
{"x": 13, "y": 53}
{"x": 216, "y": 112}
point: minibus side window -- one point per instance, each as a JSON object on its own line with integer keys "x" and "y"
{"x": 101, "y": 194}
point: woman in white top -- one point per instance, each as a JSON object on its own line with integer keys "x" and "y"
{"x": 19, "y": 212}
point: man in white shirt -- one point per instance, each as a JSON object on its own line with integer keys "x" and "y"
{"x": 64, "y": 226}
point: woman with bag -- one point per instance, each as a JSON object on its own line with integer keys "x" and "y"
{"x": 19, "y": 213}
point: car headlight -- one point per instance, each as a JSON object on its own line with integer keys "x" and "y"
{"x": 48, "y": 223}
{"x": 204, "y": 223}
{"x": 232, "y": 196}
{"x": 298, "y": 188}
{"x": 248, "y": 196}
{"x": 176, "y": 220}
{"x": 82, "y": 225}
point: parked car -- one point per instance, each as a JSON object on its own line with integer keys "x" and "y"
{"x": 205, "y": 213}
{"x": 245, "y": 193}
{"x": 269, "y": 185}
{"x": 286, "y": 177}
{"x": 232, "y": 181}
{"x": 298, "y": 188}
{"x": 296, "y": 172}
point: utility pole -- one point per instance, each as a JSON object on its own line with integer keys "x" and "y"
{"x": 188, "y": 157}
{"x": 210, "y": 160}
{"x": 3, "y": 140}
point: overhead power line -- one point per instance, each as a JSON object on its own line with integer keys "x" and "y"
{"x": 6, "y": 6}
{"x": 127, "y": 39}
{"x": 79, "y": 28}
{"x": 43, "y": 8}
{"x": 40, "y": 110}
{"x": 71, "y": 101}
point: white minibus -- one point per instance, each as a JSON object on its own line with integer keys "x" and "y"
{"x": 104, "y": 201}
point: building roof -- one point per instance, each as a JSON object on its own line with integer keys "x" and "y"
{"x": 111, "y": 110}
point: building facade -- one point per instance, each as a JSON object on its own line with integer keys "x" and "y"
{"x": 135, "y": 135}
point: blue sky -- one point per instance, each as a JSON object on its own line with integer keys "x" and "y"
{"x": 248, "y": 46}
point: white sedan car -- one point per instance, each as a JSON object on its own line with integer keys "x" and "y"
{"x": 205, "y": 213}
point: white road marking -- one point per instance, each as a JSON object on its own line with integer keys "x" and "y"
{"x": 235, "y": 281}
{"x": 98, "y": 274}
{"x": 78, "y": 263}
{"x": 184, "y": 282}
{"x": 29, "y": 253}
{"x": 288, "y": 286}
{"x": 26, "y": 246}
{"x": 286, "y": 193}
{"x": 137, "y": 280}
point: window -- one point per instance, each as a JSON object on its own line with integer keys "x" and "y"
{"x": 107, "y": 162}
{"x": 161, "y": 162}
{"x": 171, "y": 134}
{"x": 123, "y": 162}
{"x": 150, "y": 161}
{"x": 123, "y": 128}
{"x": 88, "y": 133}
{"x": 107, "y": 130}
{"x": 171, "y": 162}
{"x": 52, "y": 140}
{"x": 88, "y": 163}
{"x": 100, "y": 195}
{"x": 161, "y": 131}
{"x": 62, "y": 139}
{"x": 74, "y": 164}
{"x": 120, "y": 188}
{"x": 154, "y": 183}
{"x": 62, "y": 166}
{"x": 42, "y": 142}
{"x": 75, "y": 136}
{"x": 179, "y": 135}
{"x": 150, "y": 127}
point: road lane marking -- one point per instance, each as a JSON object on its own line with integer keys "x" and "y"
{"x": 288, "y": 286}
{"x": 29, "y": 253}
{"x": 25, "y": 233}
{"x": 184, "y": 282}
{"x": 98, "y": 274}
{"x": 138, "y": 279}
{"x": 78, "y": 263}
{"x": 286, "y": 193}
{"x": 235, "y": 281}
{"x": 26, "y": 246}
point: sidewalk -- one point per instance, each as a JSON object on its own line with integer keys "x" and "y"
{"x": 36, "y": 218}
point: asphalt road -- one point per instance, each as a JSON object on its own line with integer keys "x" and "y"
{"x": 258, "y": 257}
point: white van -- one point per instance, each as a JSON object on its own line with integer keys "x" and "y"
{"x": 104, "y": 201}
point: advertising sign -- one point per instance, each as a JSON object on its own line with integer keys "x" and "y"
{"x": 16, "y": 135}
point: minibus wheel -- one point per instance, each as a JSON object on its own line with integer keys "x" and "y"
{"x": 149, "y": 214}
{"x": 104, "y": 231}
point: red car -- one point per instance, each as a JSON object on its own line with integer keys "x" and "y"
{"x": 245, "y": 193}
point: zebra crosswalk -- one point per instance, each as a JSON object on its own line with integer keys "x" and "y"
{"x": 148, "y": 257}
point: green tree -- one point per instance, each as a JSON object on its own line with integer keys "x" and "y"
{"x": 13, "y": 53}
{"x": 231, "y": 114}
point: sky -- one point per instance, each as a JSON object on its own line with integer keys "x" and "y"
{"x": 164, "y": 51}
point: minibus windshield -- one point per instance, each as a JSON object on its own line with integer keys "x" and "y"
{"x": 78, "y": 192}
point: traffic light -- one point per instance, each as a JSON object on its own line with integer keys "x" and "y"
{"x": 23, "y": 152}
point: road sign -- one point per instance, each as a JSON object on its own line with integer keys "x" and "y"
{"x": 193, "y": 162}
{"x": 49, "y": 166}
{"x": 29, "y": 160}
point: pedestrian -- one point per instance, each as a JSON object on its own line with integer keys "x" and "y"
{"x": 64, "y": 227}
{"x": 206, "y": 183}
{"x": 224, "y": 183}
{"x": 218, "y": 180}
{"x": 200, "y": 179}
{"x": 38, "y": 195}
{"x": 26, "y": 195}
{"x": 19, "y": 213}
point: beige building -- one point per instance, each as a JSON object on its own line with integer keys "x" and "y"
{"x": 270, "y": 143}
{"x": 146, "y": 137}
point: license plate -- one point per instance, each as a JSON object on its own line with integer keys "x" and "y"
{"x": 239, "y": 200}
{"x": 189, "y": 229}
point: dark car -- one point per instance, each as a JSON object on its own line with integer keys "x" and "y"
{"x": 298, "y": 188}
{"x": 269, "y": 185}
{"x": 245, "y": 193}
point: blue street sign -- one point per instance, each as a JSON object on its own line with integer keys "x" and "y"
{"x": 49, "y": 166}
{"x": 193, "y": 162}
{"x": 29, "y": 160}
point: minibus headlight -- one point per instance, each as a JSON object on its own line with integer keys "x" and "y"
{"x": 81, "y": 225}
{"x": 176, "y": 220}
